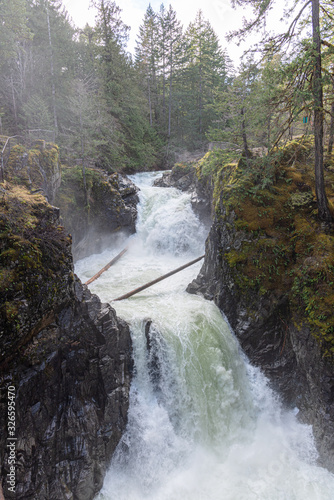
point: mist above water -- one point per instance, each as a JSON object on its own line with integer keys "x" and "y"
{"x": 203, "y": 423}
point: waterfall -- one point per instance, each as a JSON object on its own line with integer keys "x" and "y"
{"x": 203, "y": 423}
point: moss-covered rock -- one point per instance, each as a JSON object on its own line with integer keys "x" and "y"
{"x": 284, "y": 248}
{"x": 97, "y": 208}
{"x": 269, "y": 266}
{"x": 36, "y": 167}
{"x": 65, "y": 357}
{"x": 35, "y": 256}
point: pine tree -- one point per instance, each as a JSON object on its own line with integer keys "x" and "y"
{"x": 174, "y": 51}
{"x": 112, "y": 37}
{"x": 49, "y": 61}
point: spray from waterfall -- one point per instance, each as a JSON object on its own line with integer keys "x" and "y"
{"x": 203, "y": 423}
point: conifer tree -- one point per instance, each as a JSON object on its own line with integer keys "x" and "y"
{"x": 147, "y": 60}
{"x": 174, "y": 54}
{"x": 112, "y": 37}
{"x": 205, "y": 74}
{"x": 311, "y": 8}
{"x": 14, "y": 35}
{"x": 169, "y": 50}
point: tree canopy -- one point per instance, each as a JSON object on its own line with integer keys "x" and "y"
{"x": 179, "y": 90}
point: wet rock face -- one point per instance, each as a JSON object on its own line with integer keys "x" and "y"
{"x": 97, "y": 216}
{"x": 72, "y": 395}
{"x": 289, "y": 355}
{"x": 36, "y": 167}
{"x": 112, "y": 209}
{"x": 35, "y": 268}
{"x": 185, "y": 179}
{"x": 114, "y": 204}
{"x": 67, "y": 355}
{"x": 317, "y": 398}
{"x": 153, "y": 339}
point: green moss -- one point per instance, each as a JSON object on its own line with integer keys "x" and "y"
{"x": 11, "y": 310}
{"x": 300, "y": 150}
{"x": 32, "y": 167}
{"x": 180, "y": 169}
{"x": 15, "y": 157}
{"x": 233, "y": 257}
{"x": 286, "y": 252}
{"x": 34, "y": 260}
{"x": 49, "y": 158}
{"x": 91, "y": 207}
{"x": 213, "y": 160}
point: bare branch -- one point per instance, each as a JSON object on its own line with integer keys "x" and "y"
{"x": 263, "y": 8}
{"x": 325, "y": 11}
{"x": 327, "y": 44}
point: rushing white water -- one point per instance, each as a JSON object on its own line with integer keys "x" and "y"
{"x": 203, "y": 424}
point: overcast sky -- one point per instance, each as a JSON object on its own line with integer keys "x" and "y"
{"x": 219, "y": 13}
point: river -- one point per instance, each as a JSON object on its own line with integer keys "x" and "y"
{"x": 203, "y": 423}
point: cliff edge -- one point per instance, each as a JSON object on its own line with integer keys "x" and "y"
{"x": 65, "y": 361}
{"x": 269, "y": 266}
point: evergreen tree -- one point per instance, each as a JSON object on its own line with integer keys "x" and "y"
{"x": 112, "y": 37}
{"x": 205, "y": 77}
{"x": 47, "y": 62}
{"x": 275, "y": 43}
{"x": 147, "y": 61}
{"x": 174, "y": 45}
{"x": 170, "y": 53}
{"x": 14, "y": 35}
{"x": 129, "y": 145}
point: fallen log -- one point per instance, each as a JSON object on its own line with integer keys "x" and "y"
{"x": 105, "y": 268}
{"x": 143, "y": 287}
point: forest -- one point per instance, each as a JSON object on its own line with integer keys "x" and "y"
{"x": 215, "y": 406}
{"x": 82, "y": 89}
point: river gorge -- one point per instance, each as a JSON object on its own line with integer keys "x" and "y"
{"x": 203, "y": 423}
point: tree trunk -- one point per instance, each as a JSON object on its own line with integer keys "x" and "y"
{"x": 323, "y": 208}
{"x": 331, "y": 132}
{"x": 171, "y": 55}
{"x": 170, "y": 101}
{"x": 147, "y": 285}
{"x": 14, "y": 104}
{"x": 83, "y": 159}
{"x": 269, "y": 132}
{"x": 55, "y": 120}
{"x": 331, "y": 127}
{"x": 105, "y": 268}
{"x": 149, "y": 99}
{"x": 200, "y": 90}
{"x": 163, "y": 80}
{"x": 244, "y": 136}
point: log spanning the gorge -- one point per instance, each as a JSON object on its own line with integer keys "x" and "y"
{"x": 105, "y": 268}
{"x": 143, "y": 287}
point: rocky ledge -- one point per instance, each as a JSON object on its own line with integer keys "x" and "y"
{"x": 66, "y": 361}
{"x": 99, "y": 210}
{"x": 269, "y": 266}
{"x": 274, "y": 339}
{"x": 185, "y": 178}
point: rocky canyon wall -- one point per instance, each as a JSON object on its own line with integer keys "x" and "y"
{"x": 65, "y": 365}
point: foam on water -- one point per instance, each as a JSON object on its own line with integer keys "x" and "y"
{"x": 203, "y": 423}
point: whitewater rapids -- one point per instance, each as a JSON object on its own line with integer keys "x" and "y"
{"x": 203, "y": 423}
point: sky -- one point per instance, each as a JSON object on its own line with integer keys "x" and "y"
{"x": 218, "y": 12}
